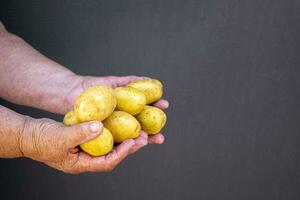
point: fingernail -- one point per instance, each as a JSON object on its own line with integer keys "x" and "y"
{"x": 94, "y": 127}
{"x": 167, "y": 104}
{"x": 145, "y": 142}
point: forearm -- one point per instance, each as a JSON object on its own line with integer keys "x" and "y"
{"x": 11, "y": 127}
{"x": 23, "y": 136}
{"x": 29, "y": 78}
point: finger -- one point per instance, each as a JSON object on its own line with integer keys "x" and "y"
{"x": 140, "y": 142}
{"x": 162, "y": 104}
{"x": 82, "y": 163}
{"x": 118, "y": 154}
{"x": 117, "y": 81}
{"x": 82, "y": 133}
{"x": 156, "y": 139}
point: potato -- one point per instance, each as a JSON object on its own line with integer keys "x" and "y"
{"x": 71, "y": 118}
{"x": 151, "y": 88}
{"x": 99, "y": 146}
{"x": 122, "y": 126}
{"x": 95, "y": 103}
{"x": 130, "y": 100}
{"x": 152, "y": 119}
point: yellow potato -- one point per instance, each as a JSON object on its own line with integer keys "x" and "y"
{"x": 95, "y": 103}
{"x": 152, "y": 119}
{"x": 151, "y": 88}
{"x": 71, "y": 118}
{"x": 99, "y": 146}
{"x": 130, "y": 100}
{"x": 122, "y": 126}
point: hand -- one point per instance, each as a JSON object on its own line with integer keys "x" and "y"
{"x": 53, "y": 88}
{"x": 83, "y": 82}
{"x": 56, "y": 145}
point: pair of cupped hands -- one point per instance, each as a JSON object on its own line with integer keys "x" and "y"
{"x": 56, "y": 145}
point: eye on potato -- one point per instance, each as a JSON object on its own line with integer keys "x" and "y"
{"x": 152, "y": 119}
{"x": 151, "y": 88}
{"x": 130, "y": 100}
{"x": 99, "y": 146}
{"x": 95, "y": 103}
{"x": 122, "y": 126}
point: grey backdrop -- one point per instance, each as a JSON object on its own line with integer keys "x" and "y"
{"x": 231, "y": 71}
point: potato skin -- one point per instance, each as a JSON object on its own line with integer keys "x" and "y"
{"x": 100, "y": 145}
{"x": 151, "y": 88}
{"x": 122, "y": 126}
{"x": 130, "y": 100}
{"x": 71, "y": 118}
{"x": 152, "y": 119}
{"x": 95, "y": 103}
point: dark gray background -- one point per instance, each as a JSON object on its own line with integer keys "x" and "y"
{"x": 231, "y": 71}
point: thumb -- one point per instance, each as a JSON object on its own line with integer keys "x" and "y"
{"x": 83, "y": 132}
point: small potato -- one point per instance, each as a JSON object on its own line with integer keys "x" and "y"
{"x": 152, "y": 119}
{"x": 71, "y": 118}
{"x": 95, "y": 103}
{"x": 122, "y": 126}
{"x": 99, "y": 146}
{"x": 130, "y": 100}
{"x": 151, "y": 88}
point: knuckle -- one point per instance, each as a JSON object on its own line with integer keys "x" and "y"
{"x": 133, "y": 76}
{"x": 72, "y": 171}
{"x": 109, "y": 167}
{"x": 79, "y": 129}
{"x": 111, "y": 77}
{"x": 78, "y": 133}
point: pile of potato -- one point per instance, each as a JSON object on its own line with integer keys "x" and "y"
{"x": 124, "y": 111}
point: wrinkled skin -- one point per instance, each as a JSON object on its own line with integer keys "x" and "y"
{"x": 31, "y": 79}
{"x": 58, "y": 146}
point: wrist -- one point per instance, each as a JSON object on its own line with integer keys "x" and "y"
{"x": 72, "y": 92}
{"x": 55, "y": 97}
{"x": 11, "y": 127}
{"x": 27, "y": 142}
